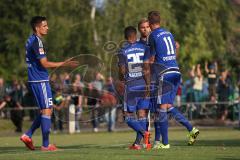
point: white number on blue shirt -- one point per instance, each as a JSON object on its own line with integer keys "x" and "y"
{"x": 169, "y": 45}
{"x": 135, "y": 59}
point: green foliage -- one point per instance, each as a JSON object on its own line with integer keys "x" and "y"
{"x": 206, "y": 30}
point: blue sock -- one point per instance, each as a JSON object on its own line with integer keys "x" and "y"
{"x": 134, "y": 124}
{"x": 35, "y": 125}
{"x": 180, "y": 118}
{"x": 157, "y": 131}
{"x": 163, "y": 123}
{"x": 45, "y": 125}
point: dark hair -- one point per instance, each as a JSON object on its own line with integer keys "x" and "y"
{"x": 36, "y": 20}
{"x": 128, "y": 31}
{"x": 154, "y": 17}
{"x": 144, "y": 20}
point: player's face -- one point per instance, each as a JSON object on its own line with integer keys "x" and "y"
{"x": 42, "y": 28}
{"x": 132, "y": 38}
{"x": 144, "y": 29}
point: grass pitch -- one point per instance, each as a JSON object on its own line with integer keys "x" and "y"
{"x": 219, "y": 144}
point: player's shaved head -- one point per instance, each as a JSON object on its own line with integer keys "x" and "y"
{"x": 129, "y": 32}
{"x": 36, "y": 20}
{"x": 154, "y": 17}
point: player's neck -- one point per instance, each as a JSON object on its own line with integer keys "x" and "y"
{"x": 143, "y": 38}
{"x": 38, "y": 34}
{"x": 155, "y": 26}
{"x": 131, "y": 41}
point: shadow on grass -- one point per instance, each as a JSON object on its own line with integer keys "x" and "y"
{"x": 227, "y": 158}
{"x": 216, "y": 143}
{"x": 120, "y": 147}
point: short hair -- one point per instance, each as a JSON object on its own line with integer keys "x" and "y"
{"x": 154, "y": 17}
{"x": 128, "y": 31}
{"x": 36, "y": 20}
{"x": 144, "y": 20}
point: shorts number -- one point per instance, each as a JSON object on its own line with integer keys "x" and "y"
{"x": 50, "y": 102}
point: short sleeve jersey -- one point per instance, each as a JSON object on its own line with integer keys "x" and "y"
{"x": 34, "y": 52}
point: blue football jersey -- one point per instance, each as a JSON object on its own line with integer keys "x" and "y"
{"x": 132, "y": 56}
{"x": 34, "y": 52}
{"x": 162, "y": 46}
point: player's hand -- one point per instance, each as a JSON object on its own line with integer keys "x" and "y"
{"x": 71, "y": 64}
{"x": 147, "y": 92}
{"x": 177, "y": 45}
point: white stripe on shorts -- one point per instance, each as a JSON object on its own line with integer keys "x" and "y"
{"x": 45, "y": 94}
{"x": 160, "y": 85}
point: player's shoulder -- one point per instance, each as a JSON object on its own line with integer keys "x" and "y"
{"x": 31, "y": 39}
{"x": 142, "y": 44}
{"x": 159, "y": 32}
{"x": 37, "y": 41}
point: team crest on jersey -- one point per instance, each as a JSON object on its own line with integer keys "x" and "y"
{"x": 41, "y": 51}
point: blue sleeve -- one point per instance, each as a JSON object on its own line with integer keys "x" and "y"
{"x": 38, "y": 49}
{"x": 147, "y": 54}
{"x": 121, "y": 59}
{"x": 152, "y": 45}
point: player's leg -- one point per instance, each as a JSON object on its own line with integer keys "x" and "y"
{"x": 46, "y": 126}
{"x": 161, "y": 119}
{"x": 143, "y": 108}
{"x": 35, "y": 125}
{"x": 143, "y": 120}
{"x": 46, "y": 112}
{"x": 132, "y": 122}
{"x": 179, "y": 117}
{"x": 174, "y": 79}
{"x": 27, "y": 136}
{"x": 163, "y": 124}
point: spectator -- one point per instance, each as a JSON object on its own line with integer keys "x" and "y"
{"x": 17, "y": 91}
{"x": 188, "y": 86}
{"x": 2, "y": 93}
{"x": 109, "y": 95}
{"x": 54, "y": 85}
{"x": 77, "y": 99}
{"x": 98, "y": 84}
{"x": 16, "y": 113}
{"x": 29, "y": 101}
{"x": 92, "y": 98}
{"x": 197, "y": 84}
{"x": 238, "y": 84}
{"x": 57, "y": 116}
{"x": 223, "y": 94}
{"x": 179, "y": 94}
{"x": 212, "y": 80}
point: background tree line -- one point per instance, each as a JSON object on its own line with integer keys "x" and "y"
{"x": 206, "y": 29}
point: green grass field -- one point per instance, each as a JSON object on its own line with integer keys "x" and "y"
{"x": 220, "y": 144}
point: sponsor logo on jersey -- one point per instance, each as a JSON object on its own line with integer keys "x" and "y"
{"x": 41, "y": 51}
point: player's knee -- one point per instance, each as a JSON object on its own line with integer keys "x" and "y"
{"x": 129, "y": 117}
{"x": 165, "y": 106}
{"x": 142, "y": 113}
{"x": 46, "y": 112}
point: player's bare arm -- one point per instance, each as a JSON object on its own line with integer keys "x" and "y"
{"x": 48, "y": 64}
{"x": 121, "y": 73}
{"x": 146, "y": 76}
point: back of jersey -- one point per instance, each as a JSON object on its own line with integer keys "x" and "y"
{"x": 162, "y": 46}
{"x": 131, "y": 56}
{"x": 34, "y": 52}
